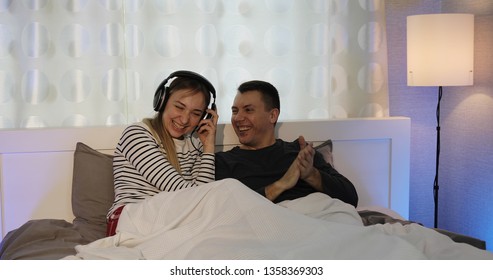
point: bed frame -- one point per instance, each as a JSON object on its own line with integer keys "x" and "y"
{"x": 36, "y": 164}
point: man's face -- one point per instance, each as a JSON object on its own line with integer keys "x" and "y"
{"x": 252, "y": 121}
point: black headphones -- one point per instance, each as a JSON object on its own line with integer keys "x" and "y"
{"x": 162, "y": 92}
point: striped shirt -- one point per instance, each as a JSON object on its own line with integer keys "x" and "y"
{"x": 141, "y": 168}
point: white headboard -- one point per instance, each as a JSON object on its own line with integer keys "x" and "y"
{"x": 36, "y": 164}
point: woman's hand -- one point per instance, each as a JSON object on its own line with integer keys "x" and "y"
{"x": 207, "y": 131}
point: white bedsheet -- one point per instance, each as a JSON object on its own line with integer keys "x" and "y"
{"x": 226, "y": 220}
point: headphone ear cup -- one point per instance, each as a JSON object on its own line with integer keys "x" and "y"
{"x": 213, "y": 107}
{"x": 159, "y": 97}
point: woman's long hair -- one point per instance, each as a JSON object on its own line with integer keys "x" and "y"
{"x": 156, "y": 123}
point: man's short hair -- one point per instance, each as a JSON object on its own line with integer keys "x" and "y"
{"x": 269, "y": 93}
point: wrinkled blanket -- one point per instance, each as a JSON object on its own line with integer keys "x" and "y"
{"x": 226, "y": 220}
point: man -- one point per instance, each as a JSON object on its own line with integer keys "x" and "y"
{"x": 276, "y": 169}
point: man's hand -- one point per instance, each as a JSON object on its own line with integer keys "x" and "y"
{"x": 305, "y": 158}
{"x": 308, "y": 172}
{"x": 301, "y": 168}
{"x": 287, "y": 181}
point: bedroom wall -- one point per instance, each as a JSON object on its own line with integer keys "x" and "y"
{"x": 466, "y": 117}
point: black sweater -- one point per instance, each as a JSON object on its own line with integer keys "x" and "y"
{"x": 260, "y": 168}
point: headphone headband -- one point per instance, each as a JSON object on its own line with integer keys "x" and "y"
{"x": 161, "y": 95}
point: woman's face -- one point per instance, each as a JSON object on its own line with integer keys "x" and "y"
{"x": 183, "y": 112}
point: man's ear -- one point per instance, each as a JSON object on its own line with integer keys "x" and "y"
{"x": 274, "y": 115}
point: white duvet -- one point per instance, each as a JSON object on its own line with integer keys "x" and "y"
{"x": 226, "y": 220}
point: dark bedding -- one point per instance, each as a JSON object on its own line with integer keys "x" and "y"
{"x": 47, "y": 239}
{"x": 374, "y": 217}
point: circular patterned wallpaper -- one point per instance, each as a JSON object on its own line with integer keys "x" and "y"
{"x": 98, "y": 62}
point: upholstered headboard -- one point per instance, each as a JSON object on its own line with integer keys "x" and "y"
{"x": 36, "y": 164}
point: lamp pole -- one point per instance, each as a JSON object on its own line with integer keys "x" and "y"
{"x": 435, "y": 184}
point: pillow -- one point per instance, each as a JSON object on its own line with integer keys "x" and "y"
{"x": 92, "y": 185}
{"x": 326, "y": 150}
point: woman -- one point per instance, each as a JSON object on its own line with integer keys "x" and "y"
{"x": 160, "y": 154}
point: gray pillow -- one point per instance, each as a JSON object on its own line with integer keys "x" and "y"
{"x": 92, "y": 185}
{"x": 326, "y": 150}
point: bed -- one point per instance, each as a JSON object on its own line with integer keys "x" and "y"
{"x": 56, "y": 186}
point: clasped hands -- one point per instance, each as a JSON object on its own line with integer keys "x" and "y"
{"x": 301, "y": 168}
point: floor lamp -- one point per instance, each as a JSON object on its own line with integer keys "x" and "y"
{"x": 440, "y": 52}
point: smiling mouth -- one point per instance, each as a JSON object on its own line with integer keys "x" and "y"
{"x": 179, "y": 126}
{"x": 243, "y": 128}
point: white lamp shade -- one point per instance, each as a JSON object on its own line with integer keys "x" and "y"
{"x": 440, "y": 50}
